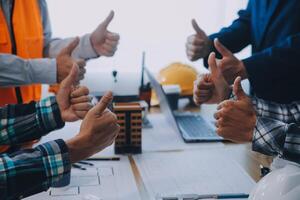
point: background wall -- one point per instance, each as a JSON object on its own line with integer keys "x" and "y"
{"x": 159, "y": 27}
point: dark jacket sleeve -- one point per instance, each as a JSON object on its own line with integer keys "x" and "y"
{"x": 279, "y": 62}
{"x": 237, "y": 36}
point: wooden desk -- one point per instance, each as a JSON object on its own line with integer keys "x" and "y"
{"x": 242, "y": 153}
{"x": 250, "y": 161}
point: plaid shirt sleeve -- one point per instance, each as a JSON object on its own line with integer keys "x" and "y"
{"x": 31, "y": 171}
{"x": 276, "y": 131}
{"x": 24, "y": 122}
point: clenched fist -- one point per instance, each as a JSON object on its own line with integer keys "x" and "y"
{"x": 198, "y": 45}
{"x": 98, "y": 130}
{"x": 236, "y": 119}
{"x": 103, "y": 41}
{"x": 211, "y": 88}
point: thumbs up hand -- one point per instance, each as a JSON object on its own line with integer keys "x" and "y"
{"x": 64, "y": 62}
{"x": 230, "y": 66}
{"x": 103, "y": 41}
{"x": 198, "y": 45}
{"x": 211, "y": 88}
{"x": 236, "y": 119}
{"x": 73, "y": 103}
{"x": 97, "y": 131}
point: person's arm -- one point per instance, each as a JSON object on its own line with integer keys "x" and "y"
{"x": 287, "y": 113}
{"x": 25, "y": 122}
{"x": 275, "y": 64}
{"x": 235, "y": 37}
{"x": 31, "y": 171}
{"x": 16, "y": 71}
{"x": 52, "y": 46}
{"x": 273, "y": 137}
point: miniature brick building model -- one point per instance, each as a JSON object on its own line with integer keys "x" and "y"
{"x": 129, "y": 117}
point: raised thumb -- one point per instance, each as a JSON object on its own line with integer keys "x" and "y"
{"x": 103, "y": 103}
{"x": 197, "y": 28}
{"x": 213, "y": 64}
{"x": 108, "y": 19}
{"x": 71, "y": 79}
{"x": 238, "y": 90}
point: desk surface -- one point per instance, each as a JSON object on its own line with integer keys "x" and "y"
{"x": 241, "y": 153}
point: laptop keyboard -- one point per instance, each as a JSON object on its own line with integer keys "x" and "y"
{"x": 195, "y": 126}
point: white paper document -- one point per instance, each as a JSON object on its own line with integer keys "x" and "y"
{"x": 106, "y": 180}
{"x": 192, "y": 172}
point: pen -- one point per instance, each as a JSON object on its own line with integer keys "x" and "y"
{"x": 85, "y": 163}
{"x": 223, "y": 196}
{"x": 104, "y": 159}
{"x": 78, "y": 167}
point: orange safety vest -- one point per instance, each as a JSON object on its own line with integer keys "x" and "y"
{"x": 29, "y": 40}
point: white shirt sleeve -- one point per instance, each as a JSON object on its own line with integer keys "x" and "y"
{"x": 83, "y": 51}
{"x": 16, "y": 71}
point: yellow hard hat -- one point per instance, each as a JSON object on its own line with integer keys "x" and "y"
{"x": 179, "y": 74}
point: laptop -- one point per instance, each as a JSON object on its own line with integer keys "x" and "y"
{"x": 191, "y": 126}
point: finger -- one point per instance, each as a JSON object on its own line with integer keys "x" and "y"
{"x": 109, "y": 48}
{"x": 194, "y": 40}
{"x": 82, "y": 106}
{"x": 80, "y": 78}
{"x": 71, "y": 79}
{"x": 82, "y": 71}
{"x": 213, "y": 64}
{"x": 200, "y": 100}
{"x": 194, "y": 48}
{"x": 112, "y": 36}
{"x": 112, "y": 43}
{"x": 217, "y": 115}
{"x": 81, "y": 63}
{"x": 80, "y": 91}
{"x": 238, "y": 90}
{"x": 108, "y": 19}
{"x": 196, "y": 27}
{"x": 103, "y": 103}
{"x": 221, "y": 48}
{"x": 81, "y": 114}
{"x": 81, "y": 99}
{"x": 203, "y": 93}
{"x": 203, "y": 85}
{"x": 71, "y": 46}
{"x": 226, "y": 103}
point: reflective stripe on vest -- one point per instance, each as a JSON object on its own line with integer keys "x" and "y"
{"x": 28, "y": 35}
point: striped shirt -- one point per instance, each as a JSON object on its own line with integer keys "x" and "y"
{"x": 277, "y": 131}
{"x": 30, "y": 171}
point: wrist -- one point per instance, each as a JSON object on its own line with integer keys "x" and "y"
{"x": 209, "y": 47}
{"x": 252, "y": 128}
{"x": 93, "y": 46}
{"x": 242, "y": 71}
{"x": 77, "y": 149}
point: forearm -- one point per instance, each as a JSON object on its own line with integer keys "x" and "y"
{"x": 26, "y": 122}
{"x": 272, "y": 137}
{"x": 235, "y": 37}
{"x": 31, "y": 171}
{"x": 16, "y": 71}
{"x": 83, "y": 51}
{"x": 275, "y": 67}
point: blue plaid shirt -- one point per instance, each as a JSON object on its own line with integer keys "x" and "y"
{"x": 30, "y": 171}
{"x": 277, "y": 130}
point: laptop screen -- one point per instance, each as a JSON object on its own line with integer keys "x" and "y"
{"x": 163, "y": 101}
